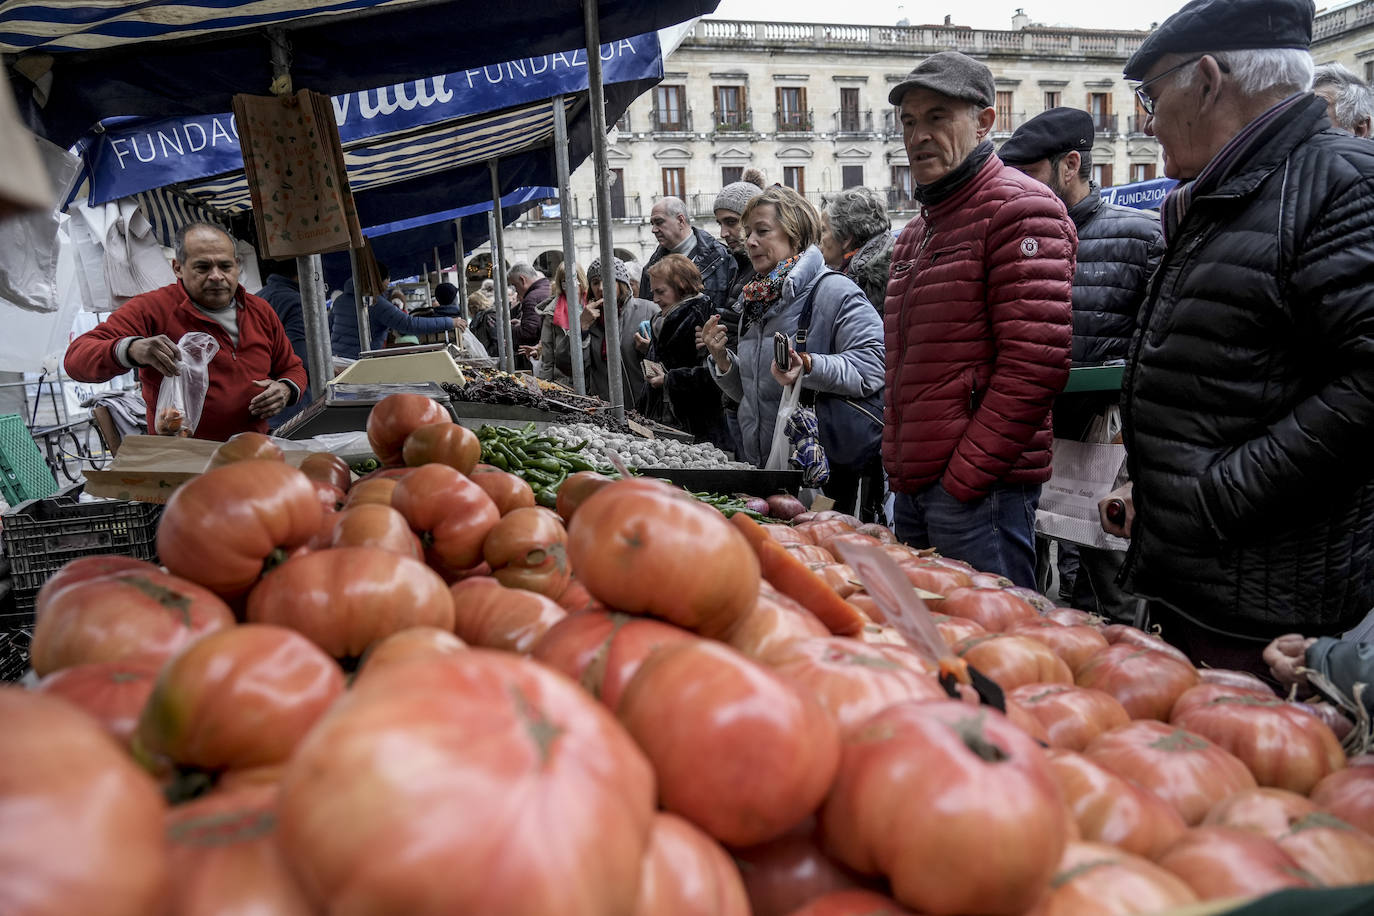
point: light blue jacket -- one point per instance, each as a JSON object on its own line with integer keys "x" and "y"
{"x": 845, "y": 342}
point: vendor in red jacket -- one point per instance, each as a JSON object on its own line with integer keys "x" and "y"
{"x": 254, "y": 375}
{"x": 977, "y": 328}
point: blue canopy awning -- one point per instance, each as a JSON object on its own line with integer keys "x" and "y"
{"x": 1143, "y": 195}
{"x": 75, "y": 64}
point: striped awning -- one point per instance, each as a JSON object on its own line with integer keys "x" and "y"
{"x": 168, "y": 211}
{"x": 435, "y": 149}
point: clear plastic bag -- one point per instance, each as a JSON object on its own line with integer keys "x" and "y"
{"x": 780, "y": 456}
{"x": 181, "y": 398}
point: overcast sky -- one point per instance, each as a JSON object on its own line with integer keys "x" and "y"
{"x": 980, "y": 14}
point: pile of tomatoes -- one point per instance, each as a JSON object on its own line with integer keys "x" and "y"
{"x": 420, "y": 693}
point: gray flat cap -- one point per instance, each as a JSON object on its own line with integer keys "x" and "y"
{"x": 949, "y": 73}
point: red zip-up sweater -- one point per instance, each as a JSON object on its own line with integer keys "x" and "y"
{"x": 977, "y": 326}
{"x": 263, "y": 352}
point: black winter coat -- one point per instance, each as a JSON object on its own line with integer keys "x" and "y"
{"x": 711, "y": 257}
{"x": 1249, "y": 393}
{"x": 692, "y": 393}
{"x": 1118, "y": 249}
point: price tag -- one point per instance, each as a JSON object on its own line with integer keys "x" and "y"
{"x": 640, "y": 429}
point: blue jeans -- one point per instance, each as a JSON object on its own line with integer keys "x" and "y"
{"x": 995, "y": 534}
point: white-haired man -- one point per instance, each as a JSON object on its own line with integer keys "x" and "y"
{"x": 1248, "y": 398}
{"x": 1349, "y": 103}
{"x": 676, "y": 235}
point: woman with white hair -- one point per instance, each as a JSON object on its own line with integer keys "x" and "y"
{"x": 856, "y": 240}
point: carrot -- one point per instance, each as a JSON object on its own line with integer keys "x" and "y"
{"x": 790, "y": 576}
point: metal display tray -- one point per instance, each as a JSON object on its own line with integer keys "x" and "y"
{"x": 729, "y": 480}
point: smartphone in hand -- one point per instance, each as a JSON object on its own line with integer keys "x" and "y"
{"x": 782, "y": 351}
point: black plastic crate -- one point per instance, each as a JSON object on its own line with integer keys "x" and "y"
{"x": 43, "y": 535}
{"x": 14, "y": 653}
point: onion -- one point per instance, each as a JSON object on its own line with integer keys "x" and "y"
{"x": 785, "y": 506}
{"x": 754, "y": 504}
{"x": 1328, "y": 714}
{"x": 803, "y": 517}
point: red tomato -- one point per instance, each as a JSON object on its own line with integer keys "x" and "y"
{"x": 1098, "y": 880}
{"x": 817, "y": 529}
{"x": 1189, "y": 772}
{"x": 784, "y": 874}
{"x": 1282, "y": 746}
{"x": 407, "y": 645}
{"x": 574, "y": 491}
{"x": 925, "y": 790}
{"x": 489, "y": 615}
{"x": 395, "y": 417}
{"x": 994, "y": 609}
{"x": 1072, "y": 617}
{"x": 1349, "y": 794}
{"x": 234, "y": 780}
{"x": 1120, "y": 633}
{"x": 1072, "y": 716}
{"x": 602, "y": 650}
{"x": 1222, "y": 862}
{"x": 443, "y": 443}
{"x": 490, "y": 759}
{"x": 246, "y": 447}
{"x": 222, "y": 527}
{"x": 1146, "y": 682}
{"x": 224, "y": 857}
{"x": 786, "y": 535}
{"x": 114, "y": 693}
{"x": 1205, "y": 692}
{"x": 123, "y": 616}
{"x": 643, "y": 550}
{"x": 852, "y": 680}
{"x": 1074, "y": 644}
{"x": 852, "y": 903}
{"x": 1013, "y": 660}
{"x": 839, "y": 576}
{"x": 238, "y": 698}
{"x": 738, "y": 750}
{"x": 528, "y": 549}
{"x": 1111, "y": 809}
{"x": 1228, "y": 678}
{"x": 879, "y": 532}
{"x": 375, "y": 525}
{"x": 1330, "y": 850}
{"x": 954, "y": 629}
{"x": 327, "y": 468}
{"x": 377, "y": 491}
{"x": 832, "y": 543}
{"x": 575, "y": 597}
{"x": 507, "y": 491}
{"x": 83, "y": 824}
{"x": 346, "y": 599}
{"x": 331, "y": 497}
{"x": 452, "y": 515}
{"x": 810, "y": 553}
{"x": 1016, "y": 715}
{"x": 686, "y": 873}
{"x": 84, "y": 568}
{"x": 936, "y": 578}
{"x": 774, "y": 620}
{"x": 1268, "y": 812}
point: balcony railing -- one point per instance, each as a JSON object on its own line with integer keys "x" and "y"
{"x": 892, "y": 126}
{"x": 733, "y": 121}
{"x": 623, "y": 125}
{"x": 899, "y": 199}
{"x": 1008, "y": 121}
{"x": 854, "y": 121}
{"x": 627, "y": 206}
{"x": 795, "y": 121}
{"x": 1135, "y": 125}
{"x": 1104, "y": 123}
{"x": 672, "y": 122}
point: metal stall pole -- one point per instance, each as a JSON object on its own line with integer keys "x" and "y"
{"x": 596, "y": 97}
{"x": 359, "y": 303}
{"x": 498, "y": 268}
{"x": 560, "y": 155}
{"x": 313, "y": 310}
{"x": 462, "y": 269}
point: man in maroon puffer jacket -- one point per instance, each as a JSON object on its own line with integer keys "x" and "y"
{"x": 978, "y": 324}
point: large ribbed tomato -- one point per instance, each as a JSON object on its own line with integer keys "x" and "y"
{"x": 853, "y": 680}
{"x": 1146, "y": 682}
{"x": 1283, "y": 746}
{"x": 83, "y": 825}
{"x": 395, "y": 417}
{"x": 225, "y": 859}
{"x": 377, "y": 491}
{"x": 602, "y": 650}
{"x": 739, "y": 751}
{"x": 784, "y": 874}
{"x": 644, "y": 549}
{"x": 120, "y": 616}
{"x": 995, "y": 609}
{"x": 1330, "y": 850}
{"x": 774, "y": 620}
{"x": 1121, "y": 634}
{"x": 246, "y": 447}
{"x": 507, "y": 491}
{"x": 1268, "y": 812}
{"x": 1072, "y": 716}
{"x": 83, "y": 568}
{"x": 930, "y": 791}
{"x": 1349, "y": 794}
{"x": 1224, "y": 862}
{"x": 1206, "y": 692}
{"x": 443, "y": 443}
{"x": 1098, "y": 880}
{"x": 324, "y": 467}
{"x": 238, "y": 698}
{"x": 348, "y": 598}
{"x": 489, "y": 615}
{"x": 1111, "y": 809}
{"x": 408, "y": 645}
{"x": 1012, "y": 661}
{"x": 1186, "y": 770}
{"x": 221, "y": 528}
{"x": 953, "y": 629}
{"x": 375, "y": 525}
{"x": 504, "y": 788}
{"x": 451, "y": 514}
{"x": 852, "y": 903}
{"x": 574, "y": 491}
{"x": 114, "y": 693}
{"x": 1074, "y": 644}
{"x": 686, "y": 873}
{"x": 528, "y": 549}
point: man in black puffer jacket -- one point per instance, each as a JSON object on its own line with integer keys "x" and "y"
{"x": 1249, "y": 390}
{"x": 1118, "y": 249}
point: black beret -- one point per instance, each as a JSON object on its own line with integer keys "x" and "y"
{"x": 1055, "y": 131}
{"x": 949, "y": 73}
{"x": 1226, "y": 25}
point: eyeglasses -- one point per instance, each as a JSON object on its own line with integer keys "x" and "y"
{"x": 1147, "y": 104}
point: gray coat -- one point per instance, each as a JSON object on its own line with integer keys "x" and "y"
{"x": 845, "y": 342}
{"x": 596, "y": 372}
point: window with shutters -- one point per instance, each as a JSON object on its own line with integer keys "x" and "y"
{"x": 851, "y": 176}
{"x": 1004, "y": 113}
{"x": 1102, "y": 174}
{"x": 792, "y": 114}
{"x": 794, "y": 176}
{"x": 1100, "y": 107}
{"x": 670, "y": 108}
{"x": 899, "y": 197}
{"x": 616, "y": 193}
{"x": 1051, "y": 100}
{"x": 729, "y": 174}
{"x": 1142, "y": 171}
{"x": 850, "y": 119}
{"x": 730, "y": 108}
{"x": 673, "y": 182}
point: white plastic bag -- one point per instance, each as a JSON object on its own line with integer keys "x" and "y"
{"x": 780, "y": 456}
{"x": 472, "y": 346}
{"x": 181, "y": 398}
{"x": 1082, "y": 473}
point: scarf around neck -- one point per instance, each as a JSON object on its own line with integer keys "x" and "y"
{"x": 761, "y": 292}
{"x": 942, "y": 189}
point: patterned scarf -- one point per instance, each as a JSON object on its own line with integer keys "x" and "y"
{"x": 760, "y": 293}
